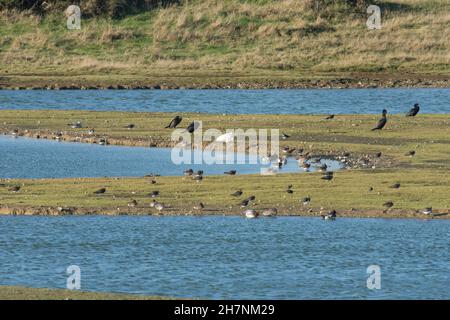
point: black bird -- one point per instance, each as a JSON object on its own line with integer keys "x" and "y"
{"x": 388, "y": 204}
{"x": 328, "y": 176}
{"x": 382, "y": 122}
{"x": 331, "y": 116}
{"x": 306, "y": 201}
{"x": 175, "y": 121}
{"x": 154, "y": 194}
{"x": 188, "y": 172}
{"x": 199, "y": 173}
{"x": 100, "y": 191}
{"x": 237, "y": 193}
{"x": 251, "y": 198}
{"x": 192, "y": 127}
{"x": 395, "y": 186}
{"x": 129, "y": 126}
{"x": 410, "y": 153}
{"x": 285, "y": 136}
{"x": 414, "y": 111}
{"x": 290, "y": 191}
{"x": 370, "y": 189}
{"x": 244, "y": 203}
{"x": 231, "y": 172}
{"x": 378, "y": 154}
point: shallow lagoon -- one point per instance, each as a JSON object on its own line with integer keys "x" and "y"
{"x": 230, "y": 257}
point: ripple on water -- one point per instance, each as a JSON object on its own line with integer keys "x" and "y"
{"x": 229, "y": 257}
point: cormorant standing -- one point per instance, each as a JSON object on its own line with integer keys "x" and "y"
{"x": 414, "y": 111}
{"x": 175, "y": 121}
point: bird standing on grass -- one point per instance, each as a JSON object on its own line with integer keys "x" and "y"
{"x": 414, "y": 111}
{"x": 192, "y": 126}
{"x": 175, "y": 121}
{"x": 388, "y": 204}
{"x": 382, "y": 122}
{"x": 237, "y": 193}
{"x": 100, "y": 191}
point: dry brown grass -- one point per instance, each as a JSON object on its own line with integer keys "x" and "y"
{"x": 216, "y": 35}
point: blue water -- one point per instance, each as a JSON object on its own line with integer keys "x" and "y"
{"x": 230, "y": 257}
{"x": 32, "y": 158}
{"x": 304, "y": 101}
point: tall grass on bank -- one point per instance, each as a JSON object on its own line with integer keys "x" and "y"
{"x": 287, "y": 35}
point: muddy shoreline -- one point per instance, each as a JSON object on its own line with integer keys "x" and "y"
{"x": 148, "y": 211}
{"x": 174, "y": 83}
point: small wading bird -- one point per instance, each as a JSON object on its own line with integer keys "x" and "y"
{"x": 199, "y": 207}
{"x": 428, "y": 211}
{"x": 100, "y": 191}
{"x": 133, "y": 204}
{"x": 198, "y": 177}
{"x": 271, "y": 212}
{"x": 330, "y": 215}
{"x": 250, "y": 213}
{"x": 154, "y": 194}
{"x": 388, "y": 204}
{"x": 237, "y": 193}
{"x": 175, "y": 121}
{"x": 193, "y": 126}
{"x": 159, "y": 206}
{"x": 382, "y": 122}
{"x": 306, "y": 201}
{"x": 414, "y": 111}
{"x": 75, "y": 125}
{"x": 328, "y": 176}
{"x": 323, "y": 167}
{"x": 14, "y": 189}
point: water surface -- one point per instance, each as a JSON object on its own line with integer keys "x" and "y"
{"x": 271, "y": 101}
{"x": 33, "y": 158}
{"x": 230, "y": 257}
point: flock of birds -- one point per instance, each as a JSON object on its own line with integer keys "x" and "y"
{"x": 304, "y": 161}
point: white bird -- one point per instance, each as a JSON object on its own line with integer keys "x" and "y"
{"x": 250, "y": 213}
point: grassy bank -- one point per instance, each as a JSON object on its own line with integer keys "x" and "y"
{"x": 24, "y": 293}
{"x": 231, "y": 43}
{"x": 428, "y": 135}
{"x": 424, "y": 178}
